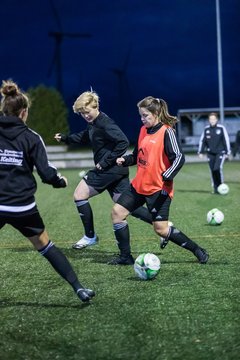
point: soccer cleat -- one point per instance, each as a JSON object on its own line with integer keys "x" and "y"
{"x": 163, "y": 242}
{"x": 201, "y": 255}
{"x": 85, "y": 242}
{"x": 215, "y": 191}
{"x": 85, "y": 294}
{"x": 122, "y": 260}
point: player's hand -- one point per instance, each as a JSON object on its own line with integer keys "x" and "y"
{"x": 57, "y": 137}
{"x": 168, "y": 183}
{"x": 65, "y": 179}
{"x": 120, "y": 161}
{"x": 200, "y": 155}
{"x": 98, "y": 166}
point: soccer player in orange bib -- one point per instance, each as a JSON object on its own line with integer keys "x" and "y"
{"x": 159, "y": 158}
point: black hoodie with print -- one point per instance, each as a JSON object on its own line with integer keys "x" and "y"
{"x": 22, "y": 149}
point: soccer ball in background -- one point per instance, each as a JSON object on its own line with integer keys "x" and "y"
{"x": 223, "y": 189}
{"x": 215, "y": 217}
{"x": 147, "y": 266}
{"x": 82, "y": 173}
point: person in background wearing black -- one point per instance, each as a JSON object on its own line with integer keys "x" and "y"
{"x": 215, "y": 141}
{"x": 108, "y": 142}
{"x": 22, "y": 149}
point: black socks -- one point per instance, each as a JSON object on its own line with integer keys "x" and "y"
{"x": 122, "y": 236}
{"x": 61, "y": 264}
{"x": 182, "y": 240}
{"x": 85, "y": 212}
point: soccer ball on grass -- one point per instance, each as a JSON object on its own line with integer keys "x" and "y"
{"x": 147, "y": 266}
{"x": 215, "y": 217}
{"x": 223, "y": 189}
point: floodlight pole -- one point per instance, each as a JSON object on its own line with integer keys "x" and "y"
{"x": 219, "y": 53}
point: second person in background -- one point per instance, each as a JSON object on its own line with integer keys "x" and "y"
{"x": 108, "y": 143}
{"x": 215, "y": 141}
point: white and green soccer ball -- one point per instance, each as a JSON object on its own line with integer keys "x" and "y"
{"x": 223, "y": 189}
{"x": 147, "y": 266}
{"x": 215, "y": 217}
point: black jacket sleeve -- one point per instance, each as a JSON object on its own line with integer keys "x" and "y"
{"x": 131, "y": 159}
{"x": 78, "y": 138}
{"x": 47, "y": 172}
{"x": 202, "y": 143}
{"x": 174, "y": 154}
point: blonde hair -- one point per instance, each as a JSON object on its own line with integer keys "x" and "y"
{"x": 13, "y": 99}
{"x": 88, "y": 98}
{"x": 158, "y": 107}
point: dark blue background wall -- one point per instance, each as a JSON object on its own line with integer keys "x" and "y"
{"x": 133, "y": 48}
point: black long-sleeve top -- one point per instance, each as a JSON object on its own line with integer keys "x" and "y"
{"x": 214, "y": 140}
{"x": 107, "y": 140}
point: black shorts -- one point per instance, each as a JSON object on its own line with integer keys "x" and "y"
{"x": 29, "y": 225}
{"x": 158, "y": 203}
{"x": 112, "y": 182}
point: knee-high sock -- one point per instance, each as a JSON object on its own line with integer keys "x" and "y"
{"x": 181, "y": 239}
{"x": 86, "y": 215}
{"x": 61, "y": 264}
{"x": 143, "y": 214}
{"x": 121, "y": 232}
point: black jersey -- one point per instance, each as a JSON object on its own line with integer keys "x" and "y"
{"x": 215, "y": 140}
{"x": 22, "y": 149}
{"x": 107, "y": 140}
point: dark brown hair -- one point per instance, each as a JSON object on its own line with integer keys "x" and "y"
{"x": 158, "y": 107}
{"x": 213, "y": 114}
{"x": 13, "y": 99}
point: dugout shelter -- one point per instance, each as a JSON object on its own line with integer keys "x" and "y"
{"x": 193, "y": 121}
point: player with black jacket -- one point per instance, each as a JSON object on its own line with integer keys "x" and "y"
{"x": 108, "y": 142}
{"x": 22, "y": 149}
{"x": 215, "y": 141}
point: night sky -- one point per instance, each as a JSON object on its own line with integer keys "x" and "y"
{"x": 125, "y": 50}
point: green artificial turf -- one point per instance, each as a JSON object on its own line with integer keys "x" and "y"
{"x": 190, "y": 311}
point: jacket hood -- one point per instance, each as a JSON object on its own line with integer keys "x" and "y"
{"x": 11, "y": 127}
